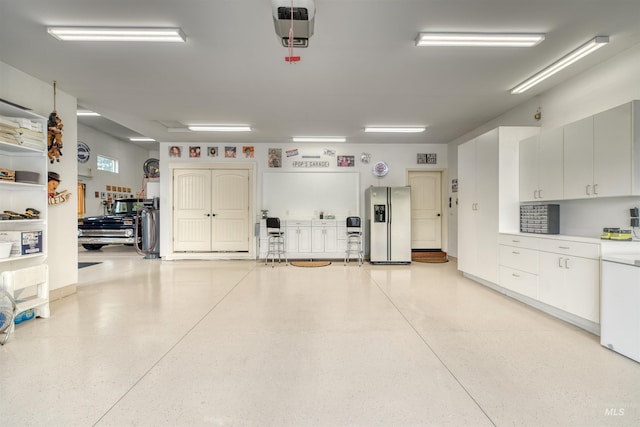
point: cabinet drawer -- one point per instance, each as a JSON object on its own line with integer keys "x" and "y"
{"x": 519, "y": 258}
{"x": 579, "y": 249}
{"x": 519, "y": 281}
{"x": 518, "y": 241}
{"x": 298, "y": 223}
{"x": 324, "y": 222}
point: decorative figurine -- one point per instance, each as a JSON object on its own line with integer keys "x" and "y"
{"x": 54, "y": 137}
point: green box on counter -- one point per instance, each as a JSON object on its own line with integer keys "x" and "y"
{"x": 24, "y": 242}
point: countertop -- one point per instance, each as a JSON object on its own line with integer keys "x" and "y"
{"x": 623, "y": 258}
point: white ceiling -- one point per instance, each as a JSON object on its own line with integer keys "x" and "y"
{"x": 361, "y": 68}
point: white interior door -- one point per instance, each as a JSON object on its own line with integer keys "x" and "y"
{"x": 191, "y": 210}
{"x": 426, "y": 210}
{"x": 230, "y": 210}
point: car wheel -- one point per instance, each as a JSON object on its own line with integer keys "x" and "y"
{"x": 91, "y": 247}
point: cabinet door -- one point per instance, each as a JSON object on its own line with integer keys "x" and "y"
{"x": 466, "y": 206}
{"x": 578, "y": 159}
{"x": 331, "y": 239}
{"x": 550, "y": 165}
{"x": 551, "y": 288}
{"x": 291, "y": 237}
{"x": 304, "y": 239}
{"x": 486, "y": 221}
{"x": 317, "y": 239}
{"x": 582, "y": 283}
{"x": 528, "y": 166}
{"x": 341, "y": 239}
{"x": 612, "y": 152}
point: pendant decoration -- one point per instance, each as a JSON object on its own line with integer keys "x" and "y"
{"x": 54, "y": 132}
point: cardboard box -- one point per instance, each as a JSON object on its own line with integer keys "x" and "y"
{"x": 7, "y": 174}
{"x": 24, "y": 242}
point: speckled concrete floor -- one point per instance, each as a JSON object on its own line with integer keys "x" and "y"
{"x": 236, "y": 343}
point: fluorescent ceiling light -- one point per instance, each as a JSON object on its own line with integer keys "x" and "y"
{"x": 591, "y": 46}
{"x": 319, "y": 139}
{"x": 141, "y": 139}
{"x": 119, "y": 34}
{"x": 86, "y": 113}
{"x": 391, "y": 129}
{"x": 219, "y": 128}
{"x": 479, "y": 39}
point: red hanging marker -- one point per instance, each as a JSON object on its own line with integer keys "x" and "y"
{"x": 292, "y": 58}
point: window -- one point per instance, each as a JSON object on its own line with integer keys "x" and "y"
{"x": 107, "y": 164}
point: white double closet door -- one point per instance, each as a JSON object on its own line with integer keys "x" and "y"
{"x": 210, "y": 210}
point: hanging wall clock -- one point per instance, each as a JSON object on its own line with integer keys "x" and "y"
{"x": 380, "y": 169}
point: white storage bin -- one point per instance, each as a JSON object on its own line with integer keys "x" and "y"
{"x": 5, "y": 249}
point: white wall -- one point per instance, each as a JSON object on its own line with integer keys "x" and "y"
{"x": 399, "y": 157}
{"x": 607, "y": 85}
{"x": 18, "y": 87}
{"x": 130, "y": 157}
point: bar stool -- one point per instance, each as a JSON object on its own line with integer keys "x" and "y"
{"x": 354, "y": 240}
{"x": 275, "y": 242}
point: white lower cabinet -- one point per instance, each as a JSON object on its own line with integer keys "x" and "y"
{"x": 309, "y": 239}
{"x": 297, "y": 236}
{"x": 324, "y": 236}
{"x": 518, "y": 270}
{"x": 519, "y": 281}
{"x": 571, "y": 284}
{"x": 560, "y": 273}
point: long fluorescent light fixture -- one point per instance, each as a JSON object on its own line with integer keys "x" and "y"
{"x": 118, "y": 34}
{"x": 391, "y": 129}
{"x": 141, "y": 139}
{"x": 479, "y": 39}
{"x": 219, "y": 128}
{"x": 584, "y": 50}
{"x": 86, "y": 113}
{"x": 319, "y": 139}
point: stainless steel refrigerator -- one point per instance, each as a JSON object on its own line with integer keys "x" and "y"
{"x": 388, "y": 225}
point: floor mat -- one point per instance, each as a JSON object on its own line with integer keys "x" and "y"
{"x": 429, "y": 256}
{"x": 310, "y": 263}
{"x": 87, "y": 264}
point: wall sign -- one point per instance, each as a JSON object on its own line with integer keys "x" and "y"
{"x": 380, "y": 169}
{"x": 427, "y": 159}
{"x": 310, "y": 164}
{"x": 84, "y": 152}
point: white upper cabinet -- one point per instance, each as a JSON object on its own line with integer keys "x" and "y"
{"x": 602, "y": 154}
{"x": 612, "y": 152}
{"x": 550, "y": 165}
{"x": 528, "y": 153}
{"x": 541, "y": 167}
{"x": 578, "y": 159}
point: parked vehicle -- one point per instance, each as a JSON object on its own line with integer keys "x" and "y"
{"x": 119, "y": 227}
